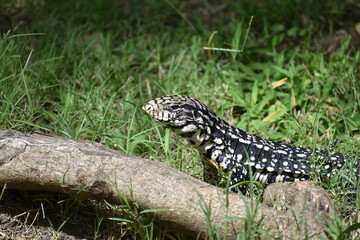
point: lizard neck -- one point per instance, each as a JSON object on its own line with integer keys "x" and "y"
{"x": 200, "y": 131}
{"x": 213, "y": 137}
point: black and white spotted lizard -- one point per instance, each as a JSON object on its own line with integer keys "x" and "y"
{"x": 229, "y": 149}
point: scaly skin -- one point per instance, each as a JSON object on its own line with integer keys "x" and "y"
{"x": 229, "y": 149}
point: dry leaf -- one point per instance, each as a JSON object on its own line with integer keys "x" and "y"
{"x": 279, "y": 83}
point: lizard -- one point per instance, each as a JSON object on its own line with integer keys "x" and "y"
{"x": 228, "y": 149}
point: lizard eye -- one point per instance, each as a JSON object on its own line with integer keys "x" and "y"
{"x": 174, "y": 107}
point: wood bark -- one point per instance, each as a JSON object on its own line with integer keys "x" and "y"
{"x": 51, "y": 163}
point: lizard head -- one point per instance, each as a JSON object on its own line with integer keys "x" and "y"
{"x": 178, "y": 111}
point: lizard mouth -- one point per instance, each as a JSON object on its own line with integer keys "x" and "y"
{"x": 163, "y": 116}
{"x": 160, "y": 115}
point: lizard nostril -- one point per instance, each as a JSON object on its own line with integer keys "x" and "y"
{"x": 147, "y": 107}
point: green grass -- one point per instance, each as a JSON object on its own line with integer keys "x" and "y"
{"x": 83, "y": 70}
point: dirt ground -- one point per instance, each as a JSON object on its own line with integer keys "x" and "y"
{"x": 44, "y": 215}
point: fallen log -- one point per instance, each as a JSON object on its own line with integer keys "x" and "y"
{"x": 51, "y": 163}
